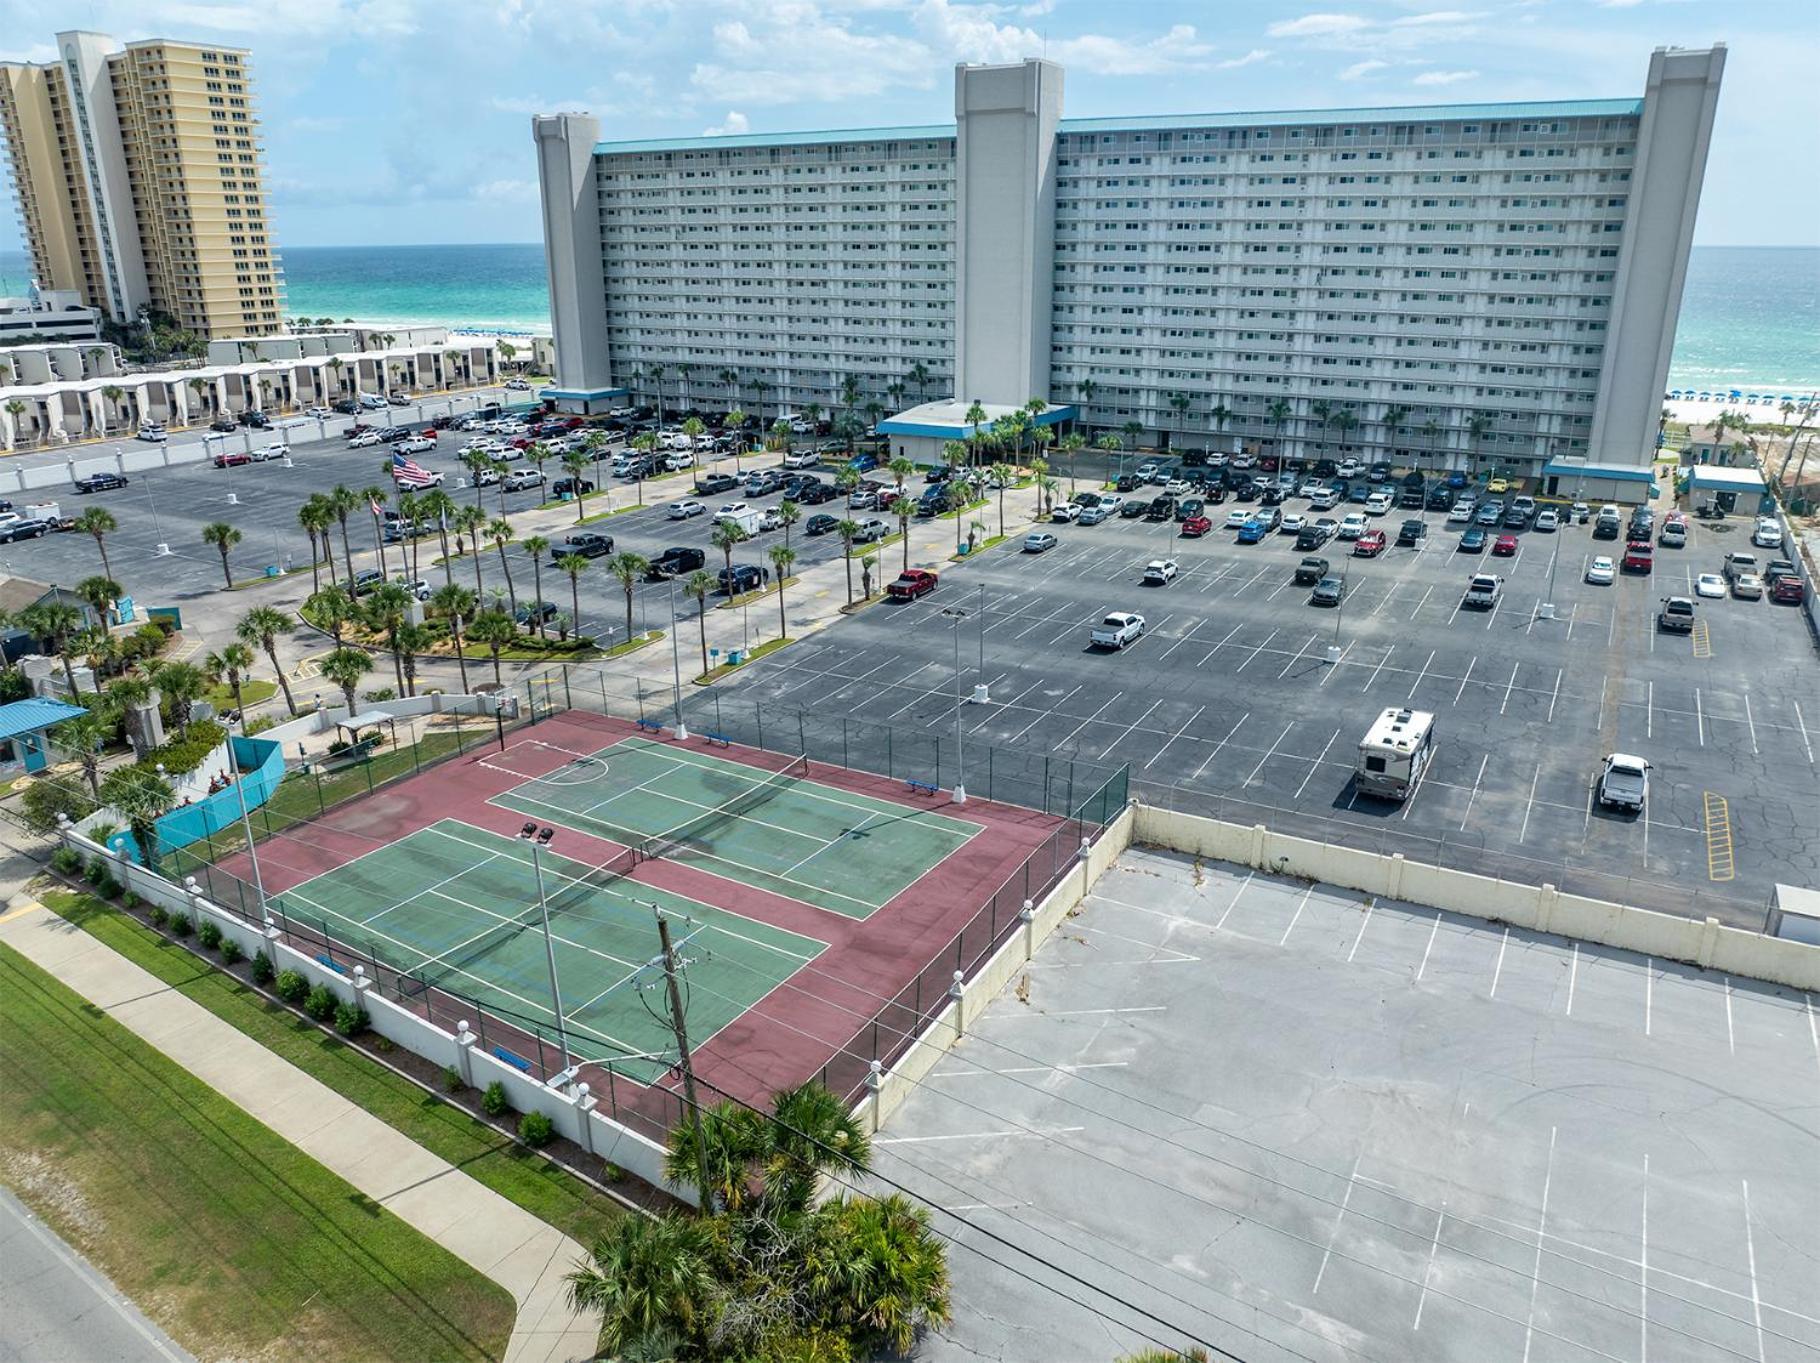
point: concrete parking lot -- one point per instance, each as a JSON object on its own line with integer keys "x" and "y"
{"x": 1297, "y": 1124}
{"x": 1230, "y": 707}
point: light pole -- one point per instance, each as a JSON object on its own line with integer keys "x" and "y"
{"x": 539, "y": 838}
{"x": 682, "y": 729}
{"x": 246, "y": 824}
{"x": 981, "y": 692}
{"x": 1339, "y": 609}
{"x": 957, "y": 615}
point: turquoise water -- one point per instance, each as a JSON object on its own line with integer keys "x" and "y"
{"x": 1750, "y": 317}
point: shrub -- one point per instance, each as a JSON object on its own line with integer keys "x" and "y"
{"x": 263, "y": 970}
{"x": 351, "y": 1019}
{"x": 612, "y": 1172}
{"x": 231, "y": 951}
{"x": 292, "y": 987}
{"x": 129, "y": 900}
{"x": 535, "y": 1130}
{"x": 95, "y": 872}
{"x": 65, "y": 860}
{"x": 159, "y": 917}
{"x": 208, "y": 933}
{"x": 182, "y": 925}
{"x": 43, "y": 801}
{"x": 451, "y": 1079}
{"x": 182, "y": 756}
{"x": 320, "y": 1003}
{"x": 493, "y": 1101}
{"x": 107, "y": 887}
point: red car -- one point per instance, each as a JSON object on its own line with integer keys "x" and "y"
{"x": 228, "y": 461}
{"x": 1196, "y": 526}
{"x": 1505, "y": 546}
{"x": 1787, "y": 589}
{"x": 1369, "y": 545}
{"x": 917, "y": 582}
{"x": 1639, "y": 556}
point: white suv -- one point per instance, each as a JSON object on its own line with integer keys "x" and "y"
{"x": 1352, "y": 526}
{"x": 1768, "y": 534}
{"x": 523, "y": 478}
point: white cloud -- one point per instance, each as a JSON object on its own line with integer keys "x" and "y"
{"x": 735, "y": 122}
{"x": 1359, "y": 70}
{"x": 1318, "y": 26}
{"x": 310, "y": 123}
{"x": 37, "y": 54}
{"x": 506, "y": 191}
{"x": 1257, "y": 54}
{"x": 540, "y": 104}
{"x": 1444, "y": 77}
{"x": 1440, "y": 16}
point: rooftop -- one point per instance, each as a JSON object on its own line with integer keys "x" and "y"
{"x": 1553, "y": 108}
{"x": 29, "y": 716}
{"x": 946, "y": 418}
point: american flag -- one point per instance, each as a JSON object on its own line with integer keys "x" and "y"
{"x": 407, "y": 472}
{"x": 373, "y": 504}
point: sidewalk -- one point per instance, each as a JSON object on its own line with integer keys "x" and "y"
{"x": 507, "y": 1244}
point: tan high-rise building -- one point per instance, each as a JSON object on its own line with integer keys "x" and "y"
{"x": 140, "y": 182}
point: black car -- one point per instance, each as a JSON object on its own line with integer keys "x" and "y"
{"x": 23, "y": 529}
{"x": 676, "y": 561}
{"x": 817, "y": 493}
{"x": 1134, "y": 508}
{"x": 1440, "y": 498}
{"x": 532, "y": 611}
{"x": 1325, "y": 468}
{"x": 586, "y": 543}
{"x": 1190, "y": 506}
{"x": 565, "y": 487}
{"x": 1161, "y": 509}
{"x": 223, "y": 423}
{"x": 1328, "y": 592}
{"x": 392, "y": 434}
{"x": 1272, "y": 495}
{"x": 1379, "y": 472}
{"x": 821, "y": 524}
{"x": 1412, "y": 532}
{"x": 710, "y": 483}
{"x": 346, "y": 406}
{"x": 744, "y": 577}
{"x": 1246, "y": 491}
{"x": 256, "y": 419}
{"x": 1128, "y": 482}
{"x": 99, "y": 482}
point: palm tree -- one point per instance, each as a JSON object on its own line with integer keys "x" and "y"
{"x": 144, "y": 797}
{"x": 782, "y": 556}
{"x": 1219, "y": 414}
{"x": 233, "y": 662}
{"x": 1476, "y": 430}
{"x": 644, "y": 442}
{"x": 575, "y": 464}
{"x": 1431, "y": 432}
{"x": 900, "y": 468}
{"x": 683, "y": 370}
{"x": 99, "y": 522}
{"x": 1279, "y": 411}
{"x": 223, "y": 537}
{"x": 903, "y": 508}
{"x": 1071, "y": 445}
{"x": 976, "y": 420}
{"x": 848, "y": 530}
{"x": 1392, "y": 422}
{"x": 344, "y": 668}
{"x": 788, "y": 513}
{"x": 724, "y": 537}
{"x": 595, "y": 444}
{"x": 500, "y": 532}
{"x": 1134, "y": 432}
{"x": 199, "y": 387}
{"x": 471, "y": 522}
{"x": 1039, "y": 474}
{"x": 495, "y": 629}
{"x": 111, "y": 393}
{"x": 812, "y": 412}
{"x": 783, "y": 434}
{"x": 182, "y": 684}
{"x": 261, "y": 626}
{"x": 53, "y": 621}
{"x": 537, "y": 546}
{"x": 574, "y": 565}
{"x": 1321, "y": 410}
{"x": 1345, "y": 421}
{"x": 82, "y": 737}
{"x": 1002, "y": 475}
{"x": 656, "y": 375}
{"x": 314, "y": 516}
{"x": 730, "y": 377}
{"x": 628, "y": 568}
{"x": 646, "y": 1278}
{"x": 698, "y": 585}
{"x": 1181, "y": 402}
{"x": 477, "y": 462}
{"x": 410, "y": 641}
{"x": 439, "y": 504}
{"x": 919, "y": 375}
{"x": 694, "y": 429}
{"x": 99, "y": 593}
{"x": 373, "y": 497}
{"x": 457, "y": 604}
{"x": 335, "y": 363}
{"x": 387, "y": 607}
{"x": 15, "y": 409}
{"x": 333, "y": 608}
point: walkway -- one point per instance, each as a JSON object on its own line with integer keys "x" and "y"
{"x": 509, "y": 1245}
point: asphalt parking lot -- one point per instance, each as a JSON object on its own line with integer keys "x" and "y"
{"x": 1296, "y": 1124}
{"x": 1229, "y": 706}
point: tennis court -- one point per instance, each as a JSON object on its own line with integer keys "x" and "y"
{"x": 775, "y": 830}
{"x": 456, "y": 907}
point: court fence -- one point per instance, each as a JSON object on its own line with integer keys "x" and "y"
{"x": 1085, "y": 796}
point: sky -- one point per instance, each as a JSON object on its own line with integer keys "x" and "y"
{"x": 406, "y": 121}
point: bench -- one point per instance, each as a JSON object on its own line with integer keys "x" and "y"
{"x": 924, "y": 787}
{"x": 329, "y": 961}
{"x": 717, "y": 740}
{"x": 650, "y": 726}
{"x": 517, "y": 1062}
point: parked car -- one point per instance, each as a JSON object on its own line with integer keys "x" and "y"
{"x": 1329, "y": 591}
{"x": 519, "y": 479}
{"x": 1254, "y": 531}
{"x": 1624, "y": 782}
{"x": 586, "y": 543}
{"x": 530, "y": 612}
{"x": 1473, "y": 541}
{"x": 1547, "y": 520}
{"x": 1310, "y": 571}
{"x": 570, "y": 487}
{"x": 1504, "y": 546}
{"x": 821, "y": 524}
{"x": 1369, "y": 545}
{"x": 742, "y": 578}
{"x": 1159, "y": 572}
{"x": 713, "y": 484}
{"x": 1353, "y": 525}
{"x": 912, "y": 584}
{"x": 1768, "y": 534}
{"x": 682, "y": 511}
{"x": 1039, "y": 542}
{"x": 224, "y": 424}
{"x": 1413, "y": 532}
{"x": 675, "y": 561}
{"x": 228, "y": 459}
{"x": 1601, "y": 572}
{"x": 1676, "y": 615}
{"x": 1747, "y": 587}
{"x": 100, "y": 482}
{"x": 1196, "y": 526}
{"x": 871, "y": 529}
{"x": 1118, "y": 630}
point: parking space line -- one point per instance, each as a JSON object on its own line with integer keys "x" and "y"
{"x": 1463, "y": 680}
{"x": 1042, "y": 715}
{"x": 1643, "y": 1272}
{"x": 1085, "y": 722}
{"x": 1316, "y": 765}
{"x": 1217, "y": 746}
{"x": 1379, "y": 668}
{"x": 1177, "y": 734}
{"x": 1498, "y": 972}
{"x": 1524, "y": 833}
{"x": 1649, "y": 711}
{"x": 1750, "y": 720}
{"x": 1388, "y": 597}
{"x": 1572, "y": 617}
{"x": 1259, "y": 649}
{"x": 1509, "y": 687}
{"x": 1535, "y": 1273}
{"x": 1423, "y": 673}
{"x": 1432, "y": 934}
{"x": 1133, "y": 725}
{"x": 1649, "y": 994}
{"x": 1423, "y": 602}
{"x": 1702, "y": 639}
{"x": 1559, "y": 673}
{"x": 1222, "y": 643}
{"x": 1298, "y": 655}
{"x": 1268, "y": 754}
{"x": 1352, "y": 1180}
{"x": 1573, "y": 981}
{"x": 1474, "y": 793}
{"x": 1184, "y": 639}
{"x": 1296, "y": 917}
{"x": 1699, "y": 718}
{"x": 1334, "y": 670}
{"x": 1716, "y": 815}
{"x": 1496, "y": 606}
{"x": 1750, "y": 1251}
{"x": 1731, "y": 1035}
{"x": 1428, "y": 1272}
{"x": 1803, "y": 727}
{"x": 1370, "y": 905}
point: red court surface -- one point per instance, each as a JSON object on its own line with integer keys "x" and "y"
{"x": 861, "y": 999}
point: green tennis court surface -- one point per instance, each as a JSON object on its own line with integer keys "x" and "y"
{"x": 449, "y": 902}
{"x": 782, "y": 832}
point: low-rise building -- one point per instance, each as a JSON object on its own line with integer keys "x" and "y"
{"x": 48, "y": 315}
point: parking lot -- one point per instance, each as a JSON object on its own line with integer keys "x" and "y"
{"x": 1294, "y": 1123}
{"x": 1229, "y": 706}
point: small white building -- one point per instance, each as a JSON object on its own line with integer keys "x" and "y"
{"x": 1580, "y": 481}
{"x": 921, "y": 433}
{"x": 1731, "y": 489}
{"x": 48, "y": 314}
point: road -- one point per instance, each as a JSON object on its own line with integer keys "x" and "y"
{"x": 56, "y": 1308}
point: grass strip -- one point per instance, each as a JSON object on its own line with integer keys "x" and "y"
{"x": 472, "y": 1146}
{"x": 714, "y": 674}
{"x": 230, "y": 1235}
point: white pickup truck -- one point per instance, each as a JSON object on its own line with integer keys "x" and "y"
{"x": 1118, "y": 629}
{"x": 1483, "y": 591}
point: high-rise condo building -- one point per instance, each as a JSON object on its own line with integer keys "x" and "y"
{"x": 140, "y": 182}
{"x": 1496, "y": 282}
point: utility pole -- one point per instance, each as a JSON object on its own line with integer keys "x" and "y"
{"x": 680, "y": 1026}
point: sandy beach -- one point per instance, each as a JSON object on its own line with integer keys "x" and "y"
{"x": 1697, "y": 413}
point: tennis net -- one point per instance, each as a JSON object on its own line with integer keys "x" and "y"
{"x": 575, "y": 890}
{"x": 693, "y": 833}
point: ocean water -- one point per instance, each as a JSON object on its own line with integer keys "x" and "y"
{"x": 1750, "y": 316}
